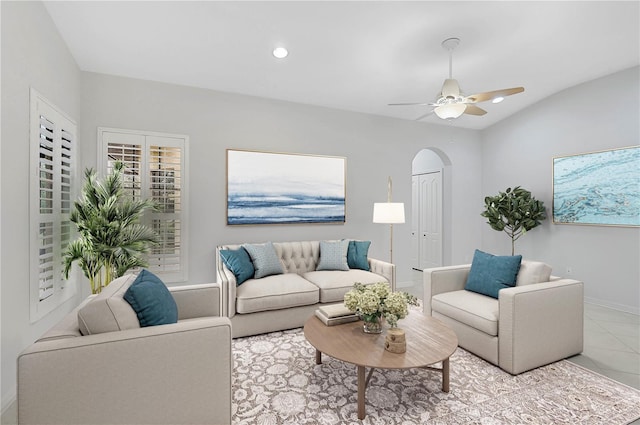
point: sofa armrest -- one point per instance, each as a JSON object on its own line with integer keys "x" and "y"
{"x": 383, "y": 268}
{"x": 203, "y": 300}
{"x": 227, "y": 281}
{"x": 539, "y": 324}
{"x": 169, "y": 374}
{"x": 442, "y": 279}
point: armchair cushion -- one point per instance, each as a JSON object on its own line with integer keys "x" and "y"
{"x": 108, "y": 311}
{"x": 533, "y": 272}
{"x": 151, "y": 300}
{"x": 472, "y": 309}
{"x": 491, "y": 273}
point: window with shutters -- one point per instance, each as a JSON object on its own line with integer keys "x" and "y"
{"x": 53, "y": 148}
{"x": 155, "y": 165}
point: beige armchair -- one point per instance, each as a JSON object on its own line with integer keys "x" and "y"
{"x": 539, "y": 321}
{"x": 170, "y": 374}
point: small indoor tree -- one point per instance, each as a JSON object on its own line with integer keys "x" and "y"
{"x": 515, "y": 212}
{"x": 111, "y": 240}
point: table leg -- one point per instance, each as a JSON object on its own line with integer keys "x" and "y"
{"x": 361, "y": 389}
{"x": 445, "y": 375}
{"x": 318, "y": 356}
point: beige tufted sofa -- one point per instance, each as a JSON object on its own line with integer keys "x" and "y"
{"x": 285, "y": 301}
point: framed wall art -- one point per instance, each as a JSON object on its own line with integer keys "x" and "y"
{"x": 284, "y": 188}
{"x": 598, "y": 188}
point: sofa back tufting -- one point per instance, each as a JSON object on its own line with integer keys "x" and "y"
{"x": 296, "y": 257}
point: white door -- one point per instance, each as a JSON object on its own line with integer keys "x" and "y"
{"x": 415, "y": 222}
{"x": 430, "y": 220}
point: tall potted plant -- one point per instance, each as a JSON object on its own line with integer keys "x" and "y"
{"x": 111, "y": 239}
{"x": 515, "y": 212}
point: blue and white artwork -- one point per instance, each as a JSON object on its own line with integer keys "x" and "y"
{"x": 600, "y": 188}
{"x": 276, "y": 188}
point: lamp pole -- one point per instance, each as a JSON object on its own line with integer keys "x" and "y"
{"x": 389, "y": 189}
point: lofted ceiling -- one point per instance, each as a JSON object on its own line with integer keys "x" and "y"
{"x": 357, "y": 55}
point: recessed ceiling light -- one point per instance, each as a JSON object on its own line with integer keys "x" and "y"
{"x": 280, "y": 52}
{"x": 497, "y": 99}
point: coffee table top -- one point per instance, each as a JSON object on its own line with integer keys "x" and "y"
{"x": 428, "y": 341}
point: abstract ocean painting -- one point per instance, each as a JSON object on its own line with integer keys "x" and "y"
{"x": 600, "y": 188}
{"x": 280, "y": 188}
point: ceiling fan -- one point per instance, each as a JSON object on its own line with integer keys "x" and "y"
{"x": 451, "y": 103}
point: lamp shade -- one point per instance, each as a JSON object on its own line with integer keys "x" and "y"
{"x": 388, "y": 212}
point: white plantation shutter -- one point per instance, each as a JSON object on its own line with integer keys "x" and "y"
{"x": 154, "y": 165}
{"x": 53, "y": 151}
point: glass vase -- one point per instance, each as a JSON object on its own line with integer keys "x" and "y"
{"x": 373, "y": 326}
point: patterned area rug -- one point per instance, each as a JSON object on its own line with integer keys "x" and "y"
{"x": 276, "y": 381}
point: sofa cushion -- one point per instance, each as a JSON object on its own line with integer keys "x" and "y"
{"x": 151, "y": 300}
{"x": 274, "y": 293}
{"x": 357, "y": 255}
{"x": 239, "y": 263}
{"x": 533, "y": 272}
{"x": 333, "y": 284}
{"x": 472, "y": 309}
{"x": 491, "y": 273}
{"x": 333, "y": 255}
{"x": 108, "y": 311}
{"x": 265, "y": 259}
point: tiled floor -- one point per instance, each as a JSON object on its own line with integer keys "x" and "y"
{"x": 611, "y": 344}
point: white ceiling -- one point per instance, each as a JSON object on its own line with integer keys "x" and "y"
{"x": 357, "y": 56}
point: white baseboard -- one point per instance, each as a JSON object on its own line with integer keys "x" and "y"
{"x": 615, "y": 306}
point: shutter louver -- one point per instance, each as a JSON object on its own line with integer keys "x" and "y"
{"x": 46, "y": 261}
{"x": 154, "y": 166}
{"x": 165, "y": 176}
{"x": 52, "y": 186}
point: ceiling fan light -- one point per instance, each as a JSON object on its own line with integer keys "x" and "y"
{"x": 450, "y": 111}
{"x": 280, "y": 52}
{"x": 497, "y": 99}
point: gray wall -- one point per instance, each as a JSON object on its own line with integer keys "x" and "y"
{"x": 593, "y": 116}
{"x": 375, "y": 147}
{"x": 33, "y": 55}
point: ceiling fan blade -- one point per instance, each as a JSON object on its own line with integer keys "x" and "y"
{"x": 482, "y": 97}
{"x": 474, "y": 110}
{"x": 408, "y": 104}
{"x": 450, "y": 88}
{"x": 424, "y": 115}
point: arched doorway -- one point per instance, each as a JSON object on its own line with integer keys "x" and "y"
{"x": 430, "y": 206}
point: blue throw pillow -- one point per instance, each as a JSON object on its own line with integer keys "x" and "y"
{"x": 491, "y": 273}
{"x": 333, "y": 255}
{"x": 265, "y": 259}
{"x": 239, "y": 262}
{"x": 151, "y": 300}
{"x": 357, "y": 255}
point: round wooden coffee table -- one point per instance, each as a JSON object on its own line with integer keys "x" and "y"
{"x": 429, "y": 341}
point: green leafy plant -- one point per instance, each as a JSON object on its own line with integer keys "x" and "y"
{"x": 111, "y": 239}
{"x": 515, "y": 212}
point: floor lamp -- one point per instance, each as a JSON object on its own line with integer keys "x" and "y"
{"x": 389, "y": 213}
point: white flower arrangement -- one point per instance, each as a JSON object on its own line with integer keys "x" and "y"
{"x": 376, "y": 300}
